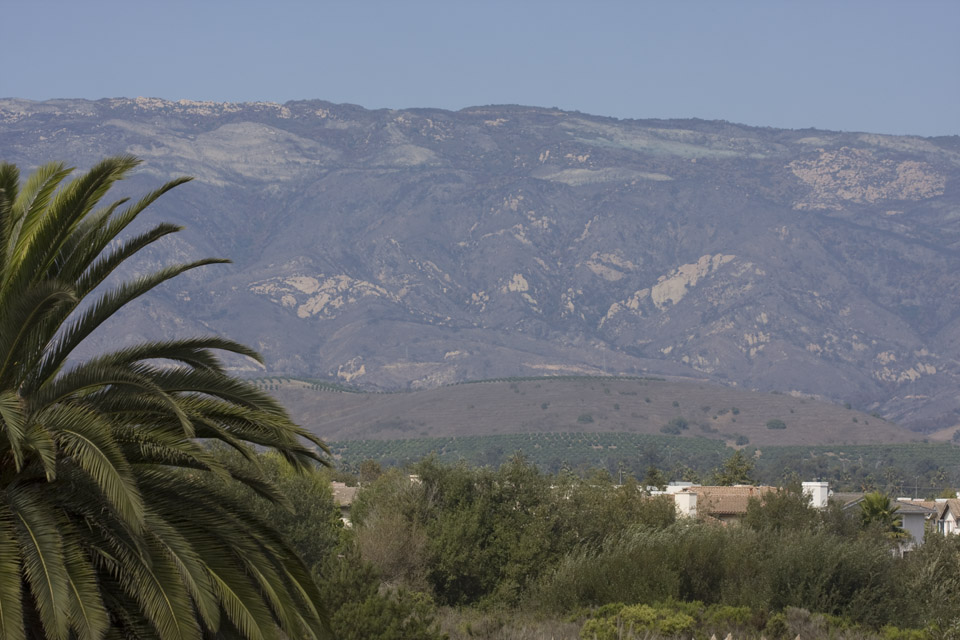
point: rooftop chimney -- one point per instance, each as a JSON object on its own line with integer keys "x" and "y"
{"x": 686, "y": 503}
{"x": 819, "y": 492}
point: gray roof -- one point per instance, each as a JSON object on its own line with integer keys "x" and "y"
{"x": 849, "y": 500}
{"x": 911, "y": 507}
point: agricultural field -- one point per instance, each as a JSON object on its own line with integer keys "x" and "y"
{"x": 550, "y": 451}
{"x": 920, "y": 469}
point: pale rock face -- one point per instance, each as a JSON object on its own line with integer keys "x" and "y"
{"x": 304, "y": 284}
{"x": 480, "y": 300}
{"x": 541, "y": 223}
{"x": 613, "y": 310}
{"x": 755, "y": 342}
{"x": 568, "y": 305}
{"x": 888, "y": 374}
{"x": 672, "y": 288}
{"x": 517, "y": 284}
{"x": 858, "y": 175}
{"x": 351, "y": 370}
{"x": 633, "y": 302}
{"x": 586, "y": 231}
{"x": 318, "y": 296}
{"x": 609, "y": 266}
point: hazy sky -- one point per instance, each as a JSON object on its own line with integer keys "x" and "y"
{"x": 881, "y": 66}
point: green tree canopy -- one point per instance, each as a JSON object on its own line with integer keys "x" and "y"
{"x": 111, "y": 524}
{"x": 787, "y": 509}
{"x": 655, "y": 478}
{"x": 737, "y": 469}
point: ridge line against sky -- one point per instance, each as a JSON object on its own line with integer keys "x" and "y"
{"x": 881, "y": 66}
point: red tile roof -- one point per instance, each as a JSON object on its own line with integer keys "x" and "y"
{"x": 727, "y": 501}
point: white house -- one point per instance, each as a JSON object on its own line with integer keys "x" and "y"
{"x": 948, "y": 516}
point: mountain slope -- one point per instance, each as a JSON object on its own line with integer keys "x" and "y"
{"x": 396, "y": 249}
{"x": 581, "y": 404}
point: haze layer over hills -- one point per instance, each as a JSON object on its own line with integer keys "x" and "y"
{"x": 410, "y": 249}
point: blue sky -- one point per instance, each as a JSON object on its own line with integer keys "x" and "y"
{"x": 886, "y": 67}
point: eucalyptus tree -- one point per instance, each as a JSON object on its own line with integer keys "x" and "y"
{"x": 115, "y": 520}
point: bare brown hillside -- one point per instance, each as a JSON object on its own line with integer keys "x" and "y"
{"x": 587, "y": 405}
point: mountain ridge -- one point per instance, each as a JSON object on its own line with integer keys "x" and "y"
{"x": 414, "y": 248}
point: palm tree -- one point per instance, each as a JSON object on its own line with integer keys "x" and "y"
{"x": 876, "y": 509}
{"x": 114, "y": 518}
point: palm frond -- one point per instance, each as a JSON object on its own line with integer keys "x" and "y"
{"x": 195, "y": 352}
{"x": 11, "y": 613}
{"x": 21, "y": 325}
{"x": 105, "y": 227}
{"x": 152, "y": 581}
{"x": 43, "y": 230}
{"x": 104, "y": 308}
{"x": 42, "y": 444}
{"x": 190, "y": 565}
{"x": 30, "y": 201}
{"x": 9, "y": 188}
{"x": 84, "y": 380}
{"x": 43, "y": 563}
{"x": 12, "y": 427}
{"x": 86, "y": 612}
{"x": 87, "y": 440}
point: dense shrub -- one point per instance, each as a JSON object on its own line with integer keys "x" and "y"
{"x": 787, "y": 509}
{"x": 557, "y": 544}
{"x": 696, "y": 620}
{"x": 765, "y": 570}
{"x": 675, "y": 426}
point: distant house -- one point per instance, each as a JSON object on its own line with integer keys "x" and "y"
{"x": 913, "y": 514}
{"x": 930, "y": 523}
{"x": 948, "y": 516}
{"x": 343, "y": 497}
{"x": 943, "y": 516}
{"x": 914, "y": 517}
{"x": 726, "y": 504}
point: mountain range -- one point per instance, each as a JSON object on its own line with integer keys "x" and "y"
{"x": 406, "y": 249}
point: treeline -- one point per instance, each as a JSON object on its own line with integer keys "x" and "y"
{"x": 924, "y": 469}
{"x": 475, "y": 552}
